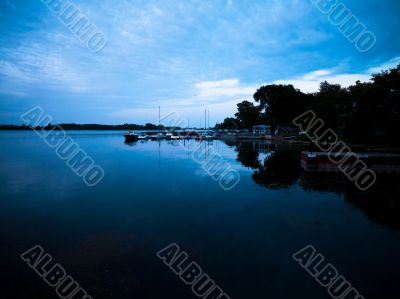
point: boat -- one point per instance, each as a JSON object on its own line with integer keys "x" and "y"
{"x": 160, "y": 136}
{"x": 131, "y": 137}
{"x": 207, "y": 136}
{"x": 157, "y": 136}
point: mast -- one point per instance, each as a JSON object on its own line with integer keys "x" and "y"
{"x": 205, "y": 119}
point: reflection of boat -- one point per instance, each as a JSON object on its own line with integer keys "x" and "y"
{"x": 131, "y": 137}
{"x": 208, "y": 136}
{"x": 143, "y": 137}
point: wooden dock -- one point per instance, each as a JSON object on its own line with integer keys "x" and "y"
{"x": 378, "y": 162}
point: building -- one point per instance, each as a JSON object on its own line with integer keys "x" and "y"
{"x": 262, "y": 130}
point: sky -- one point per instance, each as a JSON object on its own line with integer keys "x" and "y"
{"x": 182, "y": 55}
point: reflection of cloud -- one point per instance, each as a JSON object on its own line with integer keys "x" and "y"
{"x": 21, "y": 176}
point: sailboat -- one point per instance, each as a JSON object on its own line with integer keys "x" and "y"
{"x": 159, "y": 135}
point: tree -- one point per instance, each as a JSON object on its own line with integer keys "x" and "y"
{"x": 364, "y": 112}
{"x": 280, "y": 103}
{"x": 248, "y": 115}
{"x": 332, "y": 104}
{"x": 229, "y": 123}
{"x": 376, "y": 108}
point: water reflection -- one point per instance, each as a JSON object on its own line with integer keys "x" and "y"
{"x": 275, "y": 166}
{"x": 280, "y": 168}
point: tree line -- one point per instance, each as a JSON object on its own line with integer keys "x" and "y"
{"x": 364, "y": 112}
{"x": 83, "y": 127}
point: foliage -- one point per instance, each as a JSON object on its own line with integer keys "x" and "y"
{"x": 364, "y": 112}
{"x": 248, "y": 115}
{"x": 229, "y": 123}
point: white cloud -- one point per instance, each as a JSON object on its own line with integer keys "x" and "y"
{"x": 310, "y": 82}
{"x": 220, "y": 97}
{"x": 214, "y": 90}
{"x": 11, "y": 70}
{"x": 385, "y": 66}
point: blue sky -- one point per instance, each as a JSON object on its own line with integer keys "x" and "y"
{"x": 186, "y": 56}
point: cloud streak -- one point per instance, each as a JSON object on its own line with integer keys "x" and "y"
{"x": 187, "y": 55}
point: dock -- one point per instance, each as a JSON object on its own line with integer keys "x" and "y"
{"x": 200, "y": 135}
{"x": 388, "y": 163}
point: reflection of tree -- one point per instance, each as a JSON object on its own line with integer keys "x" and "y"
{"x": 381, "y": 203}
{"x": 280, "y": 170}
{"x": 248, "y": 155}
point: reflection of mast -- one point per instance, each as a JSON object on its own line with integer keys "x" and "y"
{"x": 159, "y": 118}
{"x": 159, "y": 141}
{"x": 159, "y": 154}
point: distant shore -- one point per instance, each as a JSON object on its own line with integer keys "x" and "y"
{"x": 82, "y": 127}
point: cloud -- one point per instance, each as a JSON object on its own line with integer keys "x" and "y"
{"x": 12, "y": 92}
{"x": 37, "y": 67}
{"x": 310, "y": 82}
{"x": 215, "y": 90}
{"x": 385, "y": 66}
{"x": 139, "y": 113}
{"x": 185, "y": 55}
{"x": 15, "y": 72}
{"x": 220, "y": 97}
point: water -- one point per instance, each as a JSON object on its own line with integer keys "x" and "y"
{"x": 154, "y": 194}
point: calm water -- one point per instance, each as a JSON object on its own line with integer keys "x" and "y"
{"x": 154, "y": 194}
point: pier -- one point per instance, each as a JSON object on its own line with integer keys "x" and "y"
{"x": 388, "y": 163}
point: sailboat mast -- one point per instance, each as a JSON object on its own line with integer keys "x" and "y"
{"x": 205, "y": 119}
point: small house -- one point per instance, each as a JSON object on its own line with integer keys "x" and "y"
{"x": 262, "y": 130}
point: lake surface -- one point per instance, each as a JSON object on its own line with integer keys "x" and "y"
{"x": 154, "y": 194}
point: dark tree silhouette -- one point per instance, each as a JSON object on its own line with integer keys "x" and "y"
{"x": 364, "y": 112}
{"x": 248, "y": 115}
